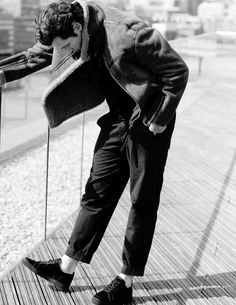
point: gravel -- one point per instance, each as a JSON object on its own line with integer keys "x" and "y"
{"x": 22, "y": 191}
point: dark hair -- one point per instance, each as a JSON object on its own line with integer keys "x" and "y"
{"x": 56, "y": 20}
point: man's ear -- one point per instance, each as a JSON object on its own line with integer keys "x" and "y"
{"x": 77, "y": 27}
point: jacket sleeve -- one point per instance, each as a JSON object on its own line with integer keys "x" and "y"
{"x": 24, "y": 63}
{"x": 155, "y": 54}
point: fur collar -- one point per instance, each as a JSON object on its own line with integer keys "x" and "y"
{"x": 64, "y": 64}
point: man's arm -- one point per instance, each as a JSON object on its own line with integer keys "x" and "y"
{"x": 25, "y": 63}
{"x": 154, "y": 53}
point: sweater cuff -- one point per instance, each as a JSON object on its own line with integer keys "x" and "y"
{"x": 2, "y": 78}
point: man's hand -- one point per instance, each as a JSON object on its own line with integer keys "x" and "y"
{"x": 156, "y": 128}
{"x": 38, "y": 53}
{"x": 38, "y": 48}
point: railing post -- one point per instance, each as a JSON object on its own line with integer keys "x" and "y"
{"x": 0, "y": 117}
{"x": 82, "y": 156}
{"x": 46, "y": 186}
{"x": 27, "y": 87}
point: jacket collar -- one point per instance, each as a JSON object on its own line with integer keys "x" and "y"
{"x": 64, "y": 63}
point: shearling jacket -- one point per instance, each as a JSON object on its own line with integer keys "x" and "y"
{"x": 138, "y": 57}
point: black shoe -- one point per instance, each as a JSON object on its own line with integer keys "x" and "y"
{"x": 50, "y": 271}
{"x": 116, "y": 293}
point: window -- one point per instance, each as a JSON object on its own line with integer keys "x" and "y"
{"x": 4, "y": 34}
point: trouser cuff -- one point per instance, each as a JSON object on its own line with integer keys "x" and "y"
{"x": 132, "y": 271}
{"x": 79, "y": 256}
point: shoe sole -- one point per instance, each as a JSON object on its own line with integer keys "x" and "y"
{"x": 97, "y": 301}
{"x": 57, "y": 284}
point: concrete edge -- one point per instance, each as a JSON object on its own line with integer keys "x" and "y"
{"x": 28, "y": 143}
{"x": 37, "y": 244}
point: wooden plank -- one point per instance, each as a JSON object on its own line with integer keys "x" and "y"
{"x": 48, "y": 289}
{"x": 24, "y": 277}
{"x": 193, "y": 252}
{"x": 3, "y": 296}
{"x": 10, "y": 291}
{"x": 35, "y": 285}
{"x": 81, "y": 289}
{"x": 171, "y": 291}
{"x": 9, "y": 296}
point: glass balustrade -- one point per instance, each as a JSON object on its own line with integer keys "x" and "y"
{"x": 33, "y": 203}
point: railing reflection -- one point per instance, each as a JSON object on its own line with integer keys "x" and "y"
{"x": 42, "y": 171}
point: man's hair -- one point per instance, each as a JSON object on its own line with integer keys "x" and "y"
{"x": 56, "y": 20}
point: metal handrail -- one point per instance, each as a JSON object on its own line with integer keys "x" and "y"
{"x": 82, "y": 154}
{"x": 0, "y": 117}
{"x": 46, "y": 185}
{"x": 12, "y": 60}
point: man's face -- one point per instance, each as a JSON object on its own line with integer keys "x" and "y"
{"x": 70, "y": 44}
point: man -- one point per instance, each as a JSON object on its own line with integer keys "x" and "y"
{"x": 104, "y": 53}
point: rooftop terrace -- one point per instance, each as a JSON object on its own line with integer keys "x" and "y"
{"x": 193, "y": 257}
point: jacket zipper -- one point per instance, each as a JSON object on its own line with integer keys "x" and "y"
{"x": 131, "y": 122}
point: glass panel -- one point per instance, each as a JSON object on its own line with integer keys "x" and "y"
{"x": 72, "y": 143}
{"x": 22, "y": 168}
{"x": 199, "y": 53}
{"x": 211, "y": 61}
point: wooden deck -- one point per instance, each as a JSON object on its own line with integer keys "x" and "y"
{"x": 193, "y": 258}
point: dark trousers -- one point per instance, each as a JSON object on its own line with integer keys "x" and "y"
{"x": 142, "y": 160}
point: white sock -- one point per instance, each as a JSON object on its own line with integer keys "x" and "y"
{"x": 127, "y": 278}
{"x": 68, "y": 264}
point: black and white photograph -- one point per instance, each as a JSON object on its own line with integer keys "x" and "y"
{"x": 117, "y": 152}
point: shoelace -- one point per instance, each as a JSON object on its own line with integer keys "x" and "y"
{"x": 53, "y": 261}
{"x": 114, "y": 287}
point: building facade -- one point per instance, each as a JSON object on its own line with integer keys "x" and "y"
{"x": 188, "y": 6}
{"x": 7, "y": 34}
{"x": 25, "y": 24}
{"x": 29, "y": 8}
{"x": 218, "y": 15}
